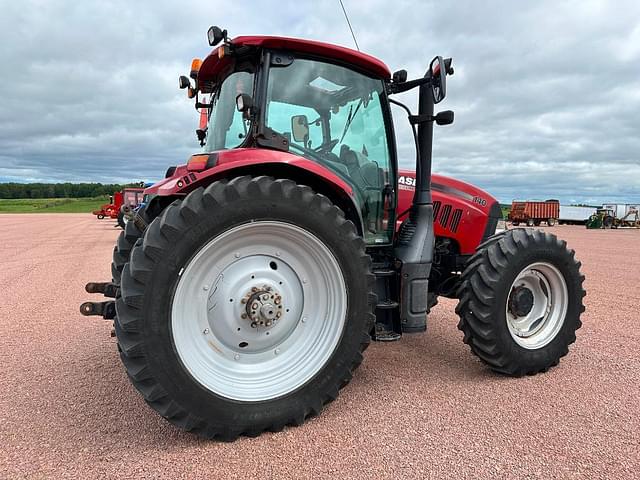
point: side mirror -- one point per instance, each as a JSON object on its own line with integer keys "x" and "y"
{"x": 438, "y": 74}
{"x": 244, "y": 103}
{"x": 300, "y": 128}
{"x": 444, "y": 118}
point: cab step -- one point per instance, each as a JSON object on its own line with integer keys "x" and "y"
{"x": 387, "y": 304}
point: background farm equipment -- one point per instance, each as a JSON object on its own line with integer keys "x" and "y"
{"x": 110, "y": 209}
{"x": 606, "y": 218}
{"x": 533, "y": 213}
{"x": 250, "y": 283}
{"x": 121, "y": 203}
{"x": 575, "y": 215}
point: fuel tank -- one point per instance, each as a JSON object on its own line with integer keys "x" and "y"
{"x": 461, "y": 211}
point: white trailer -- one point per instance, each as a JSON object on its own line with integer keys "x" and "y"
{"x": 575, "y": 215}
{"x": 621, "y": 209}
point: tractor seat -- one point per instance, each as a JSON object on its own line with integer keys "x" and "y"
{"x": 363, "y": 171}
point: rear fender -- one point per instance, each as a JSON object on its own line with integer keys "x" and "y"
{"x": 203, "y": 170}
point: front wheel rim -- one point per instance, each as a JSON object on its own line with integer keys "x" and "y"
{"x": 540, "y": 325}
{"x": 258, "y": 311}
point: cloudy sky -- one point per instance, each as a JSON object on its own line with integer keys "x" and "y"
{"x": 546, "y": 93}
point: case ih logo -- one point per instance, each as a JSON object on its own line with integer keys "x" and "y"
{"x": 406, "y": 183}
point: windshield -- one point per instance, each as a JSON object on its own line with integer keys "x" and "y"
{"x": 227, "y": 127}
{"x": 346, "y": 128}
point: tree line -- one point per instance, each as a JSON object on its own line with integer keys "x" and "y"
{"x": 59, "y": 190}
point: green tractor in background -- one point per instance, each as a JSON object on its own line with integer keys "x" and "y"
{"x": 603, "y": 218}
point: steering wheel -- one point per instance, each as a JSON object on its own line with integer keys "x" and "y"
{"x": 327, "y": 146}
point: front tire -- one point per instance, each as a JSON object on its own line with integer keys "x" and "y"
{"x": 520, "y": 301}
{"x": 190, "y": 338}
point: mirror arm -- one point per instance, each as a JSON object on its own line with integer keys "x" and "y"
{"x": 408, "y": 85}
{"x": 416, "y": 119}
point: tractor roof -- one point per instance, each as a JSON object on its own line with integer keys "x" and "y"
{"x": 213, "y": 64}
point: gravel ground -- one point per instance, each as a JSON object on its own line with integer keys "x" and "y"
{"x": 422, "y": 407}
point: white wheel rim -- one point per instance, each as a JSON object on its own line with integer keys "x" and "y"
{"x": 541, "y": 324}
{"x": 221, "y": 349}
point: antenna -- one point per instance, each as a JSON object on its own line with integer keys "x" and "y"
{"x": 349, "y": 23}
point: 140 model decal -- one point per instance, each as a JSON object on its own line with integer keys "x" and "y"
{"x": 480, "y": 201}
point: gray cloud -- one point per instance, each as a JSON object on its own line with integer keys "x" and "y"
{"x": 546, "y": 94}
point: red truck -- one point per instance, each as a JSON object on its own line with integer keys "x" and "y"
{"x": 534, "y": 212}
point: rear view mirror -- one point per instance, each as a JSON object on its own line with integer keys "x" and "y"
{"x": 300, "y": 128}
{"x": 438, "y": 73}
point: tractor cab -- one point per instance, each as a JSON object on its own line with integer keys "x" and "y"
{"x": 316, "y": 101}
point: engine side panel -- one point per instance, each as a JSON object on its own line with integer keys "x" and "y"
{"x": 461, "y": 211}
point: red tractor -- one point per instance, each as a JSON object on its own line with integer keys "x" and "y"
{"x": 251, "y": 282}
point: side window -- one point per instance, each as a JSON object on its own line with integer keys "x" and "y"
{"x": 227, "y": 128}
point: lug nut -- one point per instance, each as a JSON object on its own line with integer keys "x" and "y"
{"x": 244, "y": 300}
{"x": 244, "y": 315}
{"x": 254, "y": 325}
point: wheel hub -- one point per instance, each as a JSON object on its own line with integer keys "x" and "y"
{"x": 521, "y": 301}
{"x": 537, "y": 305}
{"x": 263, "y": 306}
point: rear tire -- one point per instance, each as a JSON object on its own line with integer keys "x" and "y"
{"x": 551, "y": 222}
{"x": 607, "y": 222}
{"x": 530, "y": 222}
{"x": 513, "y": 332}
{"x": 190, "y": 377}
{"x": 100, "y": 217}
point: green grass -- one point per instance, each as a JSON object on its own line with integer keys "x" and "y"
{"x": 52, "y": 205}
